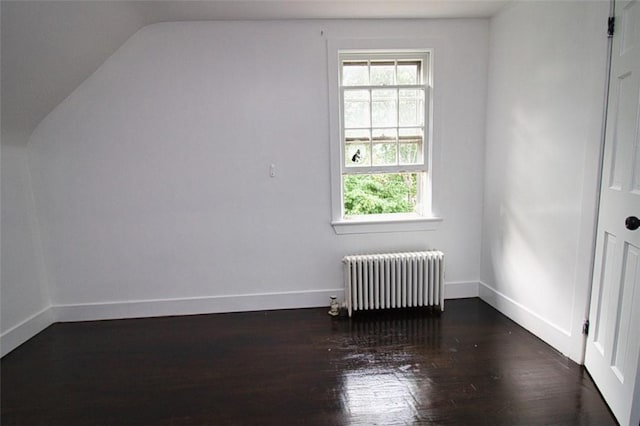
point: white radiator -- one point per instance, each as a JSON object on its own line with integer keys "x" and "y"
{"x": 394, "y": 280}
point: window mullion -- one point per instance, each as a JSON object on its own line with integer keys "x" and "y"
{"x": 426, "y": 111}
{"x": 343, "y": 145}
{"x": 370, "y": 115}
{"x": 371, "y": 127}
{"x": 395, "y": 80}
{"x": 397, "y": 124}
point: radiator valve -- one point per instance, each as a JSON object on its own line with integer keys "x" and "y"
{"x": 334, "y": 306}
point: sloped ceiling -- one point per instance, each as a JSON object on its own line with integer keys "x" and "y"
{"x": 49, "y": 47}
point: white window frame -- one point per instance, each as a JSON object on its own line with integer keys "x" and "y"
{"x": 422, "y": 219}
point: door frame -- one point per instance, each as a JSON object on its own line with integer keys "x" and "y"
{"x": 603, "y": 133}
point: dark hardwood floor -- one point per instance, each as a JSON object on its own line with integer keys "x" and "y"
{"x": 468, "y": 365}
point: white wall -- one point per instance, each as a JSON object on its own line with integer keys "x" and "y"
{"x": 544, "y": 117}
{"x": 25, "y": 301}
{"x": 152, "y": 178}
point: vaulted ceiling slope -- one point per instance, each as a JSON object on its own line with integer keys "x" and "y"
{"x": 49, "y": 47}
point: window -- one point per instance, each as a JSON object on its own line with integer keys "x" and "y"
{"x": 383, "y": 107}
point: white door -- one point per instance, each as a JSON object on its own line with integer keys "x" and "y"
{"x": 613, "y": 344}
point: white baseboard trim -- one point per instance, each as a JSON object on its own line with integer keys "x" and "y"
{"x": 17, "y": 335}
{"x": 195, "y": 305}
{"x": 461, "y": 290}
{"x": 219, "y": 304}
{"x": 549, "y": 332}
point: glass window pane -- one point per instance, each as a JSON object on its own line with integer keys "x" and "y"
{"x": 356, "y": 95}
{"x": 385, "y": 147}
{"x": 380, "y": 193}
{"x": 409, "y": 115}
{"x": 385, "y": 154}
{"x": 408, "y": 72}
{"x": 411, "y": 112}
{"x": 358, "y": 135}
{"x": 410, "y": 153}
{"x": 356, "y": 109}
{"x": 407, "y": 133}
{"x": 384, "y": 135}
{"x": 384, "y": 94}
{"x": 410, "y": 94}
{"x": 384, "y": 111}
{"x": 355, "y": 74}
{"x": 383, "y": 73}
{"x": 357, "y": 155}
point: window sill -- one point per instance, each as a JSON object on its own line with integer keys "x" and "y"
{"x": 385, "y": 223}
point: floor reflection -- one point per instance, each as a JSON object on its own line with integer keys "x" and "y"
{"x": 381, "y": 395}
{"x": 383, "y": 359}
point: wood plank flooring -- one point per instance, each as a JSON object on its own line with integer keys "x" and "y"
{"x": 469, "y": 365}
